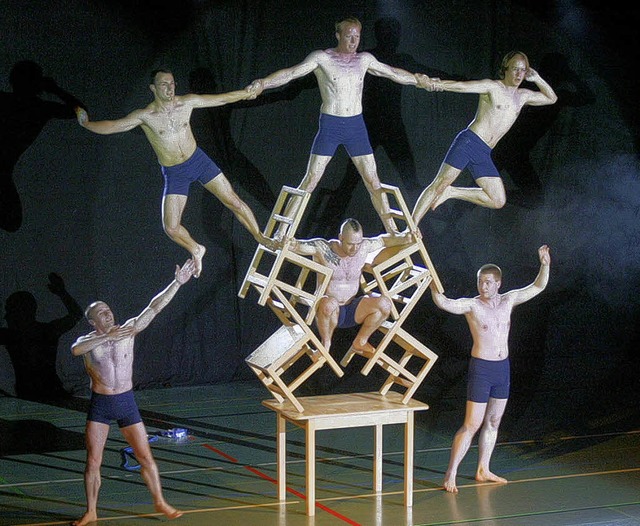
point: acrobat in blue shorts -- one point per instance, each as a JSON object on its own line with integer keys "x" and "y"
{"x": 347, "y": 315}
{"x": 333, "y": 131}
{"x": 469, "y": 151}
{"x": 198, "y": 167}
{"x": 488, "y": 379}
{"x": 119, "y": 407}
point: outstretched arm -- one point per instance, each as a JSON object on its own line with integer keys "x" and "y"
{"x": 399, "y": 75}
{"x": 162, "y": 299}
{"x": 459, "y": 306}
{"x": 308, "y": 247}
{"x": 539, "y": 284}
{"x": 464, "y": 86}
{"x": 545, "y": 96}
{"x": 284, "y": 76}
{"x": 219, "y": 99}
{"x": 404, "y": 238}
{"x": 111, "y": 126}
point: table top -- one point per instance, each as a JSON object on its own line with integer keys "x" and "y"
{"x": 345, "y": 405}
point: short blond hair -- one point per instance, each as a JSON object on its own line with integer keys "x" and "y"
{"x": 349, "y": 21}
{"x": 492, "y": 269}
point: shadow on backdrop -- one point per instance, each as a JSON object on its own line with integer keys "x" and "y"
{"x": 33, "y": 345}
{"x": 24, "y": 114}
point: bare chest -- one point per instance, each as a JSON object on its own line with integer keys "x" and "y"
{"x": 169, "y": 123}
{"x": 111, "y": 355}
{"x": 492, "y": 319}
{"x": 343, "y": 69}
{"x": 348, "y": 268}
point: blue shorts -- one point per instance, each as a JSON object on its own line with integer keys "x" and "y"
{"x": 348, "y": 131}
{"x": 198, "y": 167}
{"x": 469, "y": 151}
{"x": 120, "y": 407}
{"x": 347, "y": 315}
{"x": 488, "y": 379}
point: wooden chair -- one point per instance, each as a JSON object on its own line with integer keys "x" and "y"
{"x": 403, "y": 274}
{"x": 290, "y": 285}
{"x": 266, "y": 268}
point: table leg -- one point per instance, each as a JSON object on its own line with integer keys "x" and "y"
{"x": 311, "y": 468}
{"x": 408, "y": 460}
{"x": 281, "y": 448}
{"x": 377, "y": 459}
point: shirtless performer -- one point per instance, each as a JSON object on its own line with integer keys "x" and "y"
{"x": 340, "y": 73}
{"x": 499, "y": 105}
{"x": 165, "y": 122}
{"x": 489, "y": 319}
{"x": 341, "y": 306}
{"x": 108, "y": 359}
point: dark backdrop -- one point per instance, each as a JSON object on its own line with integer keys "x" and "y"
{"x": 92, "y": 203}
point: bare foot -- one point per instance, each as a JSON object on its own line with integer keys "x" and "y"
{"x": 87, "y": 518}
{"x": 450, "y": 484}
{"x": 169, "y": 511}
{"x": 487, "y": 476}
{"x": 198, "y": 254}
{"x": 367, "y": 348}
{"x": 280, "y": 235}
{"x": 271, "y": 244}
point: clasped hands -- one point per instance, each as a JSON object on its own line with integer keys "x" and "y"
{"x": 428, "y": 83}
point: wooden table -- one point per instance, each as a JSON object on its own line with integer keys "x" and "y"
{"x": 345, "y": 411}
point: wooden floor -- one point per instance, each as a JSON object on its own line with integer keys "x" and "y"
{"x": 225, "y": 471}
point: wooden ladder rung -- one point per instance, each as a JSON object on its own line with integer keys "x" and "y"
{"x": 283, "y": 219}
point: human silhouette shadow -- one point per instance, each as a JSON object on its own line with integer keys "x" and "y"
{"x": 513, "y": 152}
{"x": 382, "y": 111}
{"x": 30, "y": 436}
{"x": 33, "y": 345}
{"x": 24, "y": 114}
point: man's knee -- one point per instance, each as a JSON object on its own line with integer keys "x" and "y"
{"x": 235, "y": 205}
{"x": 94, "y": 462}
{"x": 327, "y": 306}
{"x": 172, "y": 229}
{"x": 384, "y": 306}
{"x": 311, "y": 179}
{"x": 492, "y": 421}
{"x": 499, "y": 201}
{"x": 145, "y": 459}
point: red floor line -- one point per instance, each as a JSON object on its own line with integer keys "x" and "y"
{"x": 222, "y": 454}
{"x": 302, "y": 496}
{"x": 290, "y": 490}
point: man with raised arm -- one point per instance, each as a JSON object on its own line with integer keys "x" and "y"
{"x": 165, "y": 122}
{"x": 342, "y": 306}
{"x": 340, "y": 73}
{"x": 108, "y": 359}
{"x": 489, "y": 318}
{"x": 500, "y": 103}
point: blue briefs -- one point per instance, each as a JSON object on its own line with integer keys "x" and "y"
{"x": 488, "y": 379}
{"x": 198, "y": 167}
{"x": 120, "y": 407}
{"x": 347, "y": 315}
{"x": 348, "y": 131}
{"x": 469, "y": 151}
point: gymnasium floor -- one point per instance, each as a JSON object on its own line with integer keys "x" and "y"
{"x": 224, "y": 472}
